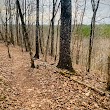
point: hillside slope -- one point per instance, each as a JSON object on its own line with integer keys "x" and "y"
{"x": 42, "y": 88}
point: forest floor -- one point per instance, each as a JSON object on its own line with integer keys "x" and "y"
{"x": 44, "y": 88}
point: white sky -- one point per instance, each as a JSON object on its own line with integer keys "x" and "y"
{"x": 103, "y": 14}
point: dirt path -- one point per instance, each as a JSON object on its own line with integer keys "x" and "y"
{"x": 23, "y": 88}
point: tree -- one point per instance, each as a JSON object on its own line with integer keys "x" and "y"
{"x": 78, "y": 31}
{"x": 65, "y": 36}
{"x": 94, "y": 8}
{"x": 24, "y": 16}
{"x": 108, "y": 80}
{"x": 50, "y": 26}
{"x": 57, "y": 37}
{"x": 25, "y": 33}
{"x": 37, "y": 29}
{"x": 52, "y": 32}
{"x": 42, "y": 27}
{"x": 10, "y": 24}
{"x": 6, "y": 29}
{"x": 17, "y": 25}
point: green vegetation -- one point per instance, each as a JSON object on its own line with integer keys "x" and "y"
{"x": 86, "y": 30}
{"x": 104, "y": 30}
{"x": 101, "y": 30}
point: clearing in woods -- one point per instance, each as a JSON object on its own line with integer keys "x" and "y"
{"x": 43, "y": 88}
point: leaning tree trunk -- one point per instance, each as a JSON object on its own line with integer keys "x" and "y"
{"x": 25, "y": 33}
{"x": 65, "y": 36}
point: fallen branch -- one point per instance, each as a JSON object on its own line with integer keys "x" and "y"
{"x": 71, "y": 77}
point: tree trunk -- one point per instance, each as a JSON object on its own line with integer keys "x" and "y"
{"x": 42, "y": 27}
{"x": 10, "y": 24}
{"x": 17, "y": 27}
{"x": 108, "y": 82}
{"x": 6, "y": 30}
{"x": 57, "y": 38}
{"x": 25, "y": 11}
{"x": 37, "y": 30}
{"x": 91, "y": 40}
{"x": 52, "y": 32}
{"x": 25, "y": 33}
{"x": 65, "y": 36}
{"x": 79, "y": 42}
{"x": 23, "y": 14}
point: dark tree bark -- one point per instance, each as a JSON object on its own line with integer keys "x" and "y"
{"x": 23, "y": 14}
{"x": 17, "y": 26}
{"x": 47, "y": 42}
{"x": 37, "y": 30}
{"x": 42, "y": 28}
{"x": 65, "y": 36}
{"x": 91, "y": 40}
{"x": 1, "y": 38}
{"x": 25, "y": 33}
{"x": 25, "y": 11}
{"x": 52, "y": 32}
{"x": 108, "y": 81}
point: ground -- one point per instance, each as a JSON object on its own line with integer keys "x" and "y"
{"x": 44, "y": 88}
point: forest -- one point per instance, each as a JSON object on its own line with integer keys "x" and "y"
{"x": 54, "y": 55}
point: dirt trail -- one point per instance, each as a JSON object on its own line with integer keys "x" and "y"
{"x": 42, "y": 88}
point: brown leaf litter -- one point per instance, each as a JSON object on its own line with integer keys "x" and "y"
{"x": 43, "y": 88}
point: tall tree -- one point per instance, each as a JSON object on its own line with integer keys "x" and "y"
{"x": 42, "y": 27}
{"x": 24, "y": 15}
{"x": 6, "y": 29}
{"x": 25, "y": 33}
{"x": 25, "y": 11}
{"x": 65, "y": 36}
{"x": 10, "y": 24}
{"x": 95, "y": 6}
{"x": 17, "y": 26}
{"x": 79, "y": 32}
{"x": 37, "y": 29}
{"x": 52, "y": 32}
{"x": 57, "y": 38}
